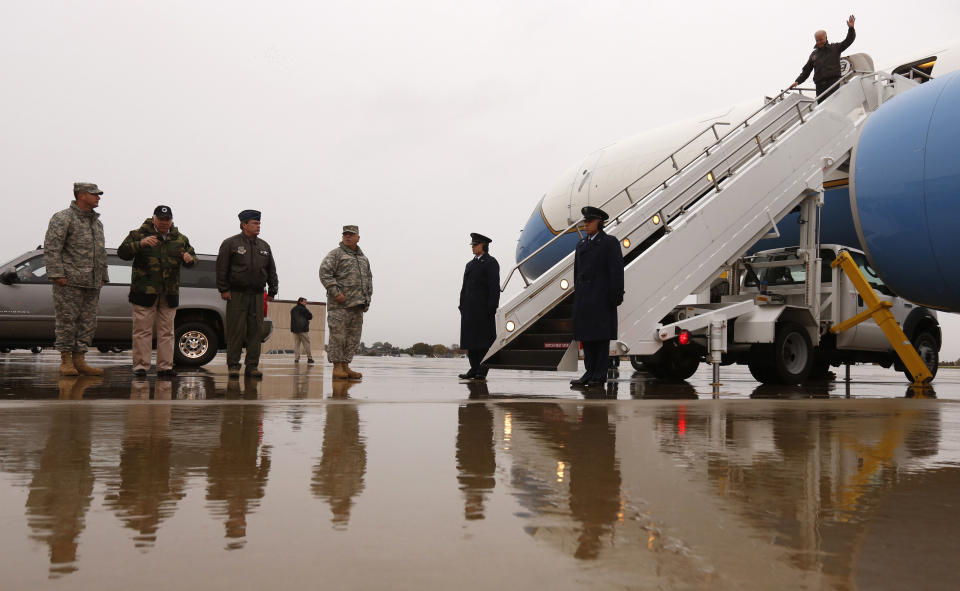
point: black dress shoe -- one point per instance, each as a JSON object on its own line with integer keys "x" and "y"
{"x": 579, "y": 381}
{"x": 466, "y": 376}
{"x": 167, "y": 373}
{"x": 480, "y": 378}
{"x": 594, "y": 383}
{"x": 140, "y": 373}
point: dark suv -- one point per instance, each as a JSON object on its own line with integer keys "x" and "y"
{"x": 27, "y": 321}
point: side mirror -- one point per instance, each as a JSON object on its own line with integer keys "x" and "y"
{"x": 9, "y": 276}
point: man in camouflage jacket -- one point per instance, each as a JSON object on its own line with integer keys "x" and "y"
{"x": 76, "y": 262}
{"x": 157, "y": 250}
{"x": 345, "y": 273}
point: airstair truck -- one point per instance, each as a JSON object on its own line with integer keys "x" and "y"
{"x": 778, "y": 336}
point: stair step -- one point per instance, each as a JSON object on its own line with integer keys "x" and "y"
{"x": 548, "y": 341}
{"x": 544, "y": 359}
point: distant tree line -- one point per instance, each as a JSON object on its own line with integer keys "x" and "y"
{"x": 386, "y": 349}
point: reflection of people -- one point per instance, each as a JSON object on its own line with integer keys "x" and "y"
{"x": 77, "y": 265}
{"x": 825, "y": 59}
{"x": 62, "y": 487}
{"x": 157, "y": 249}
{"x": 245, "y": 267}
{"x": 587, "y": 448}
{"x": 594, "y": 479}
{"x": 300, "y": 318}
{"x": 478, "y": 390}
{"x": 237, "y": 475}
{"x": 345, "y": 273}
{"x": 148, "y": 489}
{"x": 598, "y": 290}
{"x": 476, "y": 462}
{"x": 74, "y": 387}
{"x": 479, "y": 298}
{"x": 339, "y": 475}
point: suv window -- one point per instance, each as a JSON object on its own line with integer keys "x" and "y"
{"x": 203, "y": 274}
{"x": 119, "y": 270}
{"x": 32, "y": 270}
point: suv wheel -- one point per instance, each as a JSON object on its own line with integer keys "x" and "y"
{"x": 925, "y": 342}
{"x": 195, "y": 344}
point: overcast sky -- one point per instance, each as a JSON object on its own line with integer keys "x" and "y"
{"x": 419, "y": 121}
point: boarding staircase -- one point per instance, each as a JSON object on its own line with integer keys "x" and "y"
{"x": 677, "y": 236}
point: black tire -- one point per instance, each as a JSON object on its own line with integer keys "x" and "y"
{"x": 36, "y": 350}
{"x": 679, "y": 364}
{"x": 194, "y": 344}
{"x": 792, "y": 354}
{"x": 4, "y": 349}
{"x": 103, "y": 348}
{"x": 927, "y": 345}
{"x": 759, "y": 364}
{"x": 821, "y": 367}
{"x": 637, "y": 363}
{"x": 671, "y": 364}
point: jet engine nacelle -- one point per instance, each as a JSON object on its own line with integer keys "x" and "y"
{"x": 905, "y": 193}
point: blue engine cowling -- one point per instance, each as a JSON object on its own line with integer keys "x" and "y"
{"x": 905, "y": 193}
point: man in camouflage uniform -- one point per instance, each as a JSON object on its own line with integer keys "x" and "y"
{"x": 245, "y": 266}
{"x": 345, "y": 273}
{"x": 157, "y": 250}
{"x": 77, "y": 265}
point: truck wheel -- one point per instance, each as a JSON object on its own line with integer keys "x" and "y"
{"x": 821, "y": 367}
{"x": 792, "y": 354}
{"x": 680, "y": 366}
{"x": 36, "y": 350}
{"x": 925, "y": 342}
{"x": 195, "y": 344}
{"x": 759, "y": 364}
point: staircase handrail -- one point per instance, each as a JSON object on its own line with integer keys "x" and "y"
{"x": 670, "y": 157}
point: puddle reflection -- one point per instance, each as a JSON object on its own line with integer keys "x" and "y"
{"x": 688, "y": 493}
{"x": 338, "y": 476}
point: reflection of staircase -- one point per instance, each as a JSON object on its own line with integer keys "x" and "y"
{"x": 678, "y": 236}
{"x": 542, "y": 345}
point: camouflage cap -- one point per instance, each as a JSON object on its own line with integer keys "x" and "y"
{"x": 351, "y": 230}
{"x": 90, "y": 188}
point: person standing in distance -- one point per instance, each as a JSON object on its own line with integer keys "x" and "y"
{"x": 245, "y": 266}
{"x": 300, "y": 318}
{"x": 345, "y": 273}
{"x": 479, "y": 298}
{"x": 76, "y": 261}
{"x": 157, "y": 250}
{"x": 825, "y": 59}
{"x": 598, "y": 290}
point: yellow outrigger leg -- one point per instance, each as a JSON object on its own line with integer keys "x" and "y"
{"x": 879, "y": 310}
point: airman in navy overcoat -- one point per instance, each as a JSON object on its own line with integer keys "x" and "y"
{"x": 598, "y": 290}
{"x": 479, "y": 298}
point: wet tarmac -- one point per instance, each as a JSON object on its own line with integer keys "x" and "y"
{"x": 411, "y": 479}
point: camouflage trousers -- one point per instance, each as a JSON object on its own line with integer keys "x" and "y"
{"x": 345, "y": 325}
{"x": 75, "y": 313}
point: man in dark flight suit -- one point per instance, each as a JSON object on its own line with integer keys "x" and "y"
{"x": 598, "y": 290}
{"x": 825, "y": 59}
{"x": 479, "y": 298}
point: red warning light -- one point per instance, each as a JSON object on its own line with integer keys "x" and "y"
{"x": 684, "y": 337}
